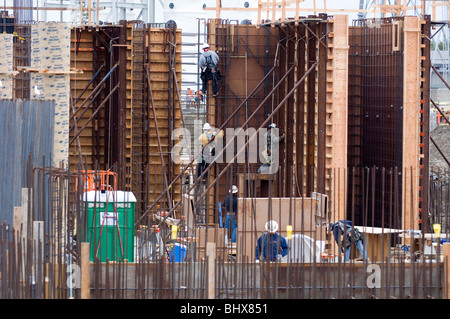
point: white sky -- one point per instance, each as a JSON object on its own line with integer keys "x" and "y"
{"x": 163, "y": 11}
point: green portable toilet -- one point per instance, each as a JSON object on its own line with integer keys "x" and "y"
{"x": 110, "y": 225}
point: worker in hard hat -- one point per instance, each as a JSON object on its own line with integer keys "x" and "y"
{"x": 208, "y": 64}
{"x": 210, "y": 150}
{"x": 230, "y": 205}
{"x": 270, "y": 153}
{"x": 198, "y": 97}
{"x": 347, "y": 235}
{"x": 189, "y": 97}
{"x": 271, "y": 246}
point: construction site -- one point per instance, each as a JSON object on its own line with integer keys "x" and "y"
{"x": 114, "y": 171}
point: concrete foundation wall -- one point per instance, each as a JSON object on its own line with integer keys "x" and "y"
{"x": 295, "y": 280}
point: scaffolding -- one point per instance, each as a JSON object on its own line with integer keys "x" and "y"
{"x": 324, "y": 84}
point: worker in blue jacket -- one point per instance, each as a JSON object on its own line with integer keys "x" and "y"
{"x": 271, "y": 246}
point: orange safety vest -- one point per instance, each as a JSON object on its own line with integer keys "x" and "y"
{"x": 198, "y": 96}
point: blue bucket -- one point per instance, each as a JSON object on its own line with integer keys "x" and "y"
{"x": 178, "y": 253}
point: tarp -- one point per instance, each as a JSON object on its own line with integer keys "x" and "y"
{"x": 303, "y": 248}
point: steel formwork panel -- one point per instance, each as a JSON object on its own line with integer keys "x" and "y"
{"x": 245, "y": 59}
{"x": 122, "y": 133}
{"x": 376, "y": 131}
{"x": 375, "y": 106}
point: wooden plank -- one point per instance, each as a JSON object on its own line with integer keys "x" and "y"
{"x": 447, "y": 270}
{"x": 159, "y": 77}
{"x": 411, "y": 138}
{"x": 211, "y": 115}
{"x": 340, "y": 104}
{"x": 85, "y": 271}
{"x": 211, "y": 258}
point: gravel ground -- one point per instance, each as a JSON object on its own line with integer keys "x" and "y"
{"x": 441, "y": 136}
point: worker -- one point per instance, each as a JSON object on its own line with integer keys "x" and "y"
{"x": 271, "y": 246}
{"x": 208, "y": 64}
{"x": 190, "y": 97}
{"x": 230, "y": 206}
{"x": 350, "y": 236}
{"x": 210, "y": 150}
{"x": 270, "y": 152}
{"x": 198, "y": 97}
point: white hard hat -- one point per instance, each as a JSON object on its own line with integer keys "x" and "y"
{"x": 273, "y": 125}
{"x": 271, "y": 226}
{"x": 234, "y": 189}
{"x": 205, "y": 45}
{"x": 206, "y": 126}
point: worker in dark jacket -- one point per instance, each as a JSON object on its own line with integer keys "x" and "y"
{"x": 208, "y": 64}
{"x": 271, "y": 246}
{"x": 230, "y": 205}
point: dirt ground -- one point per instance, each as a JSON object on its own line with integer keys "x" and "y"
{"x": 441, "y": 136}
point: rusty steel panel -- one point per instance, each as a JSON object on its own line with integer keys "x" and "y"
{"x": 245, "y": 59}
{"x": 246, "y": 54}
{"x": 375, "y": 112}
